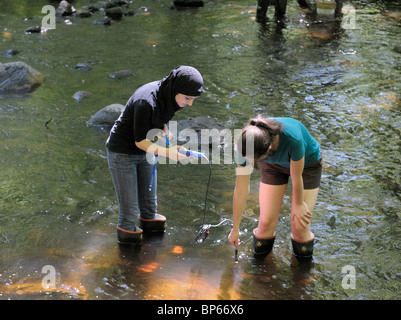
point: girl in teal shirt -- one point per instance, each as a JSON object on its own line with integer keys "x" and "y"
{"x": 283, "y": 148}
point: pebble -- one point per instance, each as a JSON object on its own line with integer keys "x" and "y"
{"x": 121, "y": 74}
{"x": 83, "y": 66}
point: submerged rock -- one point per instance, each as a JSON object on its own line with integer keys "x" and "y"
{"x": 83, "y": 66}
{"x": 105, "y": 21}
{"x": 121, "y": 74}
{"x": 106, "y": 116}
{"x": 121, "y": 2}
{"x": 79, "y": 95}
{"x": 92, "y": 8}
{"x": 35, "y": 29}
{"x": 114, "y": 12}
{"x": 83, "y": 14}
{"x": 208, "y": 131}
{"x": 10, "y": 52}
{"x": 19, "y": 76}
{"x": 64, "y": 9}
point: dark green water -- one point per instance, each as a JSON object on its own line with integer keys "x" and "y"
{"x": 57, "y": 203}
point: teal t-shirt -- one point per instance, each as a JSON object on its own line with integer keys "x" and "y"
{"x": 295, "y": 142}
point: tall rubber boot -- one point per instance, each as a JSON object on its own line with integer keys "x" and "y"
{"x": 129, "y": 237}
{"x": 304, "y": 4}
{"x": 158, "y": 224}
{"x": 261, "y": 9}
{"x": 303, "y": 249}
{"x": 281, "y": 7}
{"x": 262, "y": 247}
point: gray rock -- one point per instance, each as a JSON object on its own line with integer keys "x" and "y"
{"x": 19, "y": 76}
{"x": 10, "y": 52}
{"x": 213, "y": 131}
{"x": 92, "y": 8}
{"x": 79, "y": 95}
{"x": 35, "y": 29}
{"x": 106, "y": 116}
{"x": 83, "y": 66}
{"x": 121, "y": 2}
{"x": 114, "y": 12}
{"x": 64, "y": 9}
{"x": 121, "y": 74}
{"x": 105, "y": 21}
{"x": 83, "y": 14}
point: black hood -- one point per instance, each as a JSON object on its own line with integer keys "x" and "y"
{"x": 183, "y": 79}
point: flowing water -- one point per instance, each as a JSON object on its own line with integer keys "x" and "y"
{"x": 58, "y": 209}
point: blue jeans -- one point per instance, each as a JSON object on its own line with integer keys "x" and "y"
{"x": 131, "y": 176}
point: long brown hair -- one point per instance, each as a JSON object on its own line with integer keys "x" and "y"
{"x": 262, "y": 132}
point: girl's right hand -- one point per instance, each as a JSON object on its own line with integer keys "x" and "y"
{"x": 233, "y": 237}
{"x": 173, "y": 154}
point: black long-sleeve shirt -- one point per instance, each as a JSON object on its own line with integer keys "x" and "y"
{"x": 135, "y": 121}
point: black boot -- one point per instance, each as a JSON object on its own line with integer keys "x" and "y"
{"x": 262, "y": 247}
{"x": 281, "y": 7}
{"x": 158, "y": 224}
{"x": 304, "y": 4}
{"x": 129, "y": 237}
{"x": 303, "y": 249}
{"x": 262, "y": 9}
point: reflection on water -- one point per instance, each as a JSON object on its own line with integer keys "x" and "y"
{"x": 57, "y": 203}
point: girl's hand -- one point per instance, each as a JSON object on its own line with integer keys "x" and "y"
{"x": 302, "y": 214}
{"x": 173, "y": 154}
{"x": 233, "y": 237}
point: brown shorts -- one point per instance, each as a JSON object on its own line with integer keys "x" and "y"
{"x": 277, "y": 175}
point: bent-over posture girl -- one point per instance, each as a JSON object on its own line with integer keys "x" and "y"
{"x": 283, "y": 148}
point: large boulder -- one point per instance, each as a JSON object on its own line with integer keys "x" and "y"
{"x": 19, "y": 76}
{"x": 106, "y": 116}
{"x": 208, "y": 130}
{"x": 114, "y": 13}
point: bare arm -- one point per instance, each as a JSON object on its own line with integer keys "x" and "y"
{"x": 149, "y": 146}
{"x": 240, "y": 197}
{"x": 298, "y": 207}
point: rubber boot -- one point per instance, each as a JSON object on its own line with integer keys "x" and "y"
{"x": 129, "y": 237}
{"x": 262, "y": 9}
{"x": 304, "y": 4}
{"x": 281, "y": 7}
{"x": 303, "y": 249}
{"x": 262, "y": 247}
{"x": 158, "y": 224}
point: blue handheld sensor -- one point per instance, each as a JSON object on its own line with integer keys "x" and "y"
{"x": 190, "y": 153}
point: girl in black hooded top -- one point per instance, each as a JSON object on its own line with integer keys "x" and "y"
{"x": 150, "y": 107}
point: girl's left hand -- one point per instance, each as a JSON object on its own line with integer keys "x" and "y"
{"x": 233, "y": 237}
